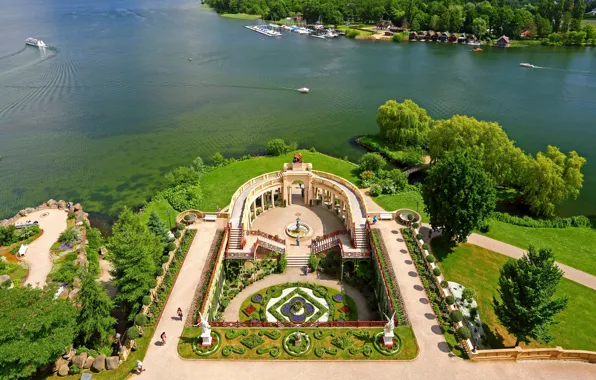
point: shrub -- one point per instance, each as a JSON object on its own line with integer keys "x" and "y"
{"x": 177, "y": 234}
{"x": 468, "y": 294}
{"x": 146, "y": 301}
{"x": 171, "y": 247}
{"x": 574, "y": 221}
{"x": 450, "y": 300}
{"x": 164, "y": 259}
{"x": 473, "y": 313}
{"x": 444, "y": 284}
{"x": 277, "y": 147}
{"x": 375, "y": 190}
{"x": 159, "y": 271}
{"x": 187, "y": 217}
{"x": 180, "y": 226}
{"x": 485, "y": 227}
{"x": 352, "y": 33}
{"x": 312, "y": 149}
{"x": 372, "y": 161}
{"x": 419, "y": 236}
{"x": 74, "y": 370}
{"x": 313, "y": 262}
{"x": 282, "y": 263}
{"x": 415, "y": 225}
{"x": 437, "y": 272}
{"x": 132, "y": 333}
{"x": 141, "y": 319}
{"x": 431, "y": 259}
{"x": 424, "y": 246}
{"x": 456, "y": 316}
{"x": 464, "y": 332}
{"x": 69, "y": 236}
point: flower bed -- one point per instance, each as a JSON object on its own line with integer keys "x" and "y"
{"x": 207, "y": 350}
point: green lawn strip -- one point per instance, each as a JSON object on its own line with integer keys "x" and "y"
{"x": 573, "y": 246}
{"x": 161, "y": 207}
{"x": 478, "y": 268}
{"x": 219, "y": 185}
{"x": 408, "y": 351}
{"x": 126, "y": 368}
{"x": 240, "y": 16}
{"x": 347, "y": 301}
{"x": 406, "y": 199}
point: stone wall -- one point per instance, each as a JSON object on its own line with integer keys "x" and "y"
{"x": 75, "y": 208}
{"x": 518, "y": 353}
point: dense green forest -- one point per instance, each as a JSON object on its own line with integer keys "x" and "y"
{"x": 512, "y": 17}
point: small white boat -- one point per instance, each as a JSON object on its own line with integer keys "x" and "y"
{"x": 318, "y": 36}
{"x": 527, "y": 65}
{"x": 35, "y": 42}
{"x": 303, "y": 90}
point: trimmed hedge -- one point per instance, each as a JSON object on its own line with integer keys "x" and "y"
{"x": 206, "y": 275}
{"x": 579, "y": 221}
{"x": 456, "y": 316}
{"x": 464, "y": 332}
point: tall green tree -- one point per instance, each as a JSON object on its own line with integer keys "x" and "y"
{"x": 552, "y": 178}
{"x": 485, "y": 140}
{"x": 526, "y": 289}
{"x": 95, "y": 321}
{"x": 405, "y": 124}
{"x": 34, "y": 330}
{"x": 133, "y": 250}
{"x": 458, "y": 195}
{"x": 157, "y": 226}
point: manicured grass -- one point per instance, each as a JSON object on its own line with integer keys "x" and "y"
{"x": 240, "y": 16}
{"x": 409, "y": 348}
{"x": 125, "y": 369}
{"x": 478, "y": 268}
{"x": 161, "y": 207}
{"x": 575, "y": 247}
{"x": 407, "y": 199}
{"x": 347, "y": 301}
{"x": 219, "y": 185}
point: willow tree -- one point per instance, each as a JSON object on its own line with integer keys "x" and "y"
{"x": 404, "y": 124}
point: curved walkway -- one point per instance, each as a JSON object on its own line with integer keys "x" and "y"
{"x": 512, "y": 251}
{"x": 38, "y": 254}
{"x": 294, "y": 274}
{"x": 434, "y": 361}
{"x": 238, "y": 209}
{"x": 360, "y": 212}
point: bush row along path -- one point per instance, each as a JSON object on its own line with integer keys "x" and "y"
{"x": 572, "y": 274}
{"x": 434, "y": 361}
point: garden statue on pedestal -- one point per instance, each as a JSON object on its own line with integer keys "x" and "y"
{"x": 388, "y": 331}
{"x": 298, "y": 339}
{"x": 297, "y": 158}
{"x": 205, "y": 332}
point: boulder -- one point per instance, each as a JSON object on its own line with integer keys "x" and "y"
{"x": 112, "y": 363}
{"x": 63, "y": 370}
{"x": 77, "y": 207}
{"x": 76, "y": 283}
{"x": 61, "y": 204}
{"x": 4, "y": 277}
{"x": 88, "y": 362}
{"x": 30, "y": 210}
{"x": 23, "y": 213}
{"x": 99, "y": 364}
{"x": 69, "y": 354}
{"x": 59, "y": 363}
{"x": 79, "y": 360}
{"x": 51, "y": 203}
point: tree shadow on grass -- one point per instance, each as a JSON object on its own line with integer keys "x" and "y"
{"x": 442, "y": 247}
{"x": 493, "y": 338}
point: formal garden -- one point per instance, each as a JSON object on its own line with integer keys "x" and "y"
{"x": 298, "y": 302}
{"x": 299, "y": 344}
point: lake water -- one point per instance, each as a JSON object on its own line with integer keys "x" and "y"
{"x": 116, "y": 102}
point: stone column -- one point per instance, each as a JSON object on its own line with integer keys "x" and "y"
{"x": 273, "y": 198}
{"x": 263, "y": 202}
{"x": 289, "y": 195}
{"x": 254, "y": 208}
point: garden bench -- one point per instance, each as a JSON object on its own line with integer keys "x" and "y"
{"x": 210, "y": 218}
{"x": 386, "y": 216}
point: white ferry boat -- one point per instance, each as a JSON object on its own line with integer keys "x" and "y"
{"x": 35, "y": 42}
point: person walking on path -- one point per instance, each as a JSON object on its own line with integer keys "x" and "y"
{"x": 163, "y": 338}
{"x": 140, "y": 367}
{"x": 180, "y": 313}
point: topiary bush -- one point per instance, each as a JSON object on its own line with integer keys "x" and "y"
{"x": 180, "y": 226}
{"x": 177, "y": 234}
{"x": 464, "y": 332}
{"x": 171, "y": 247}
{"x": 425, "y": 246}
{"x": 146, "y": 301}
{"x": 159, "y": 271}
{"x": 419, "y": 236}
{"x": 450, "y": 300}
{"x": 444, "y": 284}
{"x": 437, "y": 272}
{"x": 141, "y": 319}
{"x": 282, "y": 263}
{"x": 132, "y": 333}
{"x": 415, "y": 225}
{"x": 456, "y": 316}
{"x": 164, "y": 259}
{"x": 431, "y": 259}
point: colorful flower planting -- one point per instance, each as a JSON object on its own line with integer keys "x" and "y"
{"x": 201, "y": 350}
{"x": 338, "y": 297}
{"x": 257, "y": 298}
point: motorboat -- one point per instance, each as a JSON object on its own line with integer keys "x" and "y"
{"x": 318, "y": 36}
{"x": 303, "y": 90}
{"x": 477, "y": 50}
{"x": 35, "y": 42}
{"x": 528, "y": 65}
{"x": 474, "y": 43}
{"x": 264, "y": 30}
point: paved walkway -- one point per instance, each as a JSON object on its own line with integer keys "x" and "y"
{"x": 294, "y": 274}
{"x": 38, "y": 255}
{"x": 515, "y": 252}
{"x": 163, "y": 362}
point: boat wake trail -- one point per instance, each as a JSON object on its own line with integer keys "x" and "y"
{"x": 13, "y": 54}
{"x": 203, "y": 84}
{"x": 579, "y": 72}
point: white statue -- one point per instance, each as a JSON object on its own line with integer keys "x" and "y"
{"x": 206, "y": 331}
{"x": 388, "y": 331}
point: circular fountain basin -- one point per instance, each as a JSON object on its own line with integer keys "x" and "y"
{"x": 302, "y": 231}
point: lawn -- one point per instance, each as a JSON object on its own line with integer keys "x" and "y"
{"x": 478, "y": 268}
{"x": 219, "y": 185}
{"x": 408, "y": 199}
{"x": 575, "y": 247}
{"x": 408, "y": 351}
{"x": 240, "y": 16}
{"x": 126, "y": 368}
{"x": 161, "y": 207}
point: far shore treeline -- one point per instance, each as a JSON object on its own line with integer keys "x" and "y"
{"x": 560, "y": 22}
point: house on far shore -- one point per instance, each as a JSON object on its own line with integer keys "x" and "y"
{"x": 443, "y": 37}
{"x": 413, "y": 36}
{"x": 462, "y": 39}
{"x": 471, "y": 38}
{"x": 503, "y": 42}
{"x": 434, "y": 36}
{"x": 384, "y": 24}
{"x": 453, "y": 38}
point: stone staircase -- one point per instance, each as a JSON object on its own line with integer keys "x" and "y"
{"x": 235, "y": 238}
{"x": 297, "y": 261}
{"x": 361, "y": 238}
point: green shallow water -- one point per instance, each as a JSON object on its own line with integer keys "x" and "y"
{"x": 116, "y": 102}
